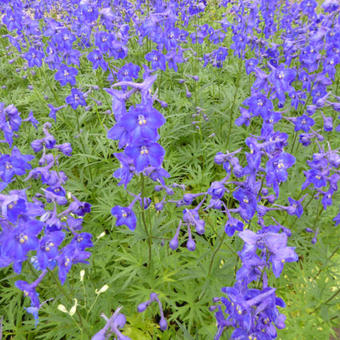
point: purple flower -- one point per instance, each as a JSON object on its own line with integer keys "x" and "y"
{"x": 247, "y": 203}
{"x": 280, "y": 253}
{"x": 315, "y": 177}
{"x": 97, "y": 59}
{"x": 124, "y": 216}
{"x": 144, "y": 154}
{"x": 142, "y": 122}
{"x": 192, "y": 218}
{"x": 29, "y": 290}
{"x": 31, "y": 119}
{"x": 66, "y": 75}
{"x": 70, "y": 255}
{"x": 276, "y": 169}
{"x": 303, "y": 123}
{"x": 275, "y": 243}
{"x": 308, "y": 7}
{"x": 232, "y": 225}
{"x": 295, "y": 208}
{"x": 16, "y": 164}
{"x": 34, "y": 57}
{"x": 157, "y": 60}
{"x": 13, "y": 207}
{"x": 128, "y": 72}
{"x": 216, "y": 190}
{"x": 191, "y": 245}
{"x": 330, "y": 5}
{"x": 48, "y": 249}
{"x": 336, "y": 219}
{"x": 19, "y": 240}
{"x": 75, "y": 99}
{"x": 327, "y": 123}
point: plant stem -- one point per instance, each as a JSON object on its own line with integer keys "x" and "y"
{"x": 327, "y": 301}
{"x": 320, "y": 270}
{"x": 215, "y": 252}
{"x": 144, "y": 221}
{"x": 233, "y": 104}
{"x": 294, "y": 141}
{"x": 82, "y": 143}
{"x": 69, "y": 298}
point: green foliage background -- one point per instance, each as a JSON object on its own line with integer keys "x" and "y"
{"x": 185, "y": 281}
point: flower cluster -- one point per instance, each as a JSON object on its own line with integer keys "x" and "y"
{"x": 32, "y": 229}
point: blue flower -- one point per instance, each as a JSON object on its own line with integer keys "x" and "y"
{"x": 66, "y": 75}
{"x": 144, "y": 154}
{"x": 142, "y": 122}
{"x": 75, "y": 99}
{"x": 125, "y": 216}
{"x": 303, "y": 123}
{"x": 232, "y": 225}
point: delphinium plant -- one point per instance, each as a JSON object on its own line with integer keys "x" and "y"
{"x": 218, "y": 121}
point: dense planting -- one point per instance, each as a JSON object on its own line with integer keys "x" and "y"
{"x": 219, "y": 121}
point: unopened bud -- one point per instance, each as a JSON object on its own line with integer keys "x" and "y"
{"x": 163, "y": 324}
{"x": 74, "y": 308}
{"x": 82, "y": 274}
{"x": 62, "y": 308}
{"x": 102, "y": 290}
{"x": 101, "y": 235}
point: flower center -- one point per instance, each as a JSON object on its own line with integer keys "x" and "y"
{"x": 141, "y": 120}
{"x": 144, "y": 150}
{"x": 22, "y": 238}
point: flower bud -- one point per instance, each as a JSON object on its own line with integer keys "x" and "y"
{"x": 36, "y": 145}
{"x": 173, "y": 244}
{"x": 120, "y": 321}
{"x": 65, "y": 148}
{"x": 163, "y": 324}
{"x": 159, "y": 206}
{"x": 101, "y": 235}
{"x": 199, "y": 225}
{"x": 169, "y": 191}
{"x": 191, "y": 245}
{"x": 82, "y": 274}
{"x": 74, "y": 308}
{"x": 153, "y": 296}
{"x": 102, "y": 290}
{"x": 142, "y": 307}
{"x": 62, "y": 308}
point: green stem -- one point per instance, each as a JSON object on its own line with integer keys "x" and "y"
{"x": 294, "y": 141}
{"x": 320, "y": 270}
{"x": 70, "y": 299}
{"x": 215, "y": 252}
{"x": 231, "y": 118}
{"x": 82, "y": 143}
{"x": 95, "y": 300}
{"x": 144, "y": 221}
{"x": 327, "y": 301}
